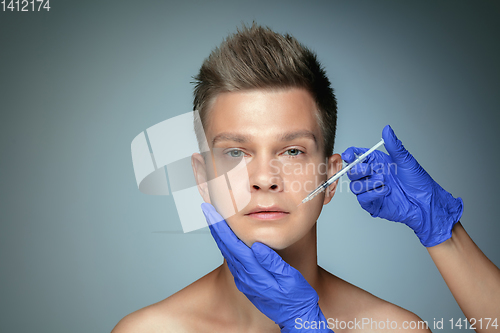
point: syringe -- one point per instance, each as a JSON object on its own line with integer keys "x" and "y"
{"x": 339, "y": 174}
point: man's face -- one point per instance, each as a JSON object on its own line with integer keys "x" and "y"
{"x": 278, "y": 135}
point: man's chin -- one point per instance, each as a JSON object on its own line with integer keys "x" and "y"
{"x": 274, "y": 243}
{"x": 277, "y": 237}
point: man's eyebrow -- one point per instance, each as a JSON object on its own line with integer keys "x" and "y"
{"x": 230, "y": 137}
{"x": 289, "y": 136}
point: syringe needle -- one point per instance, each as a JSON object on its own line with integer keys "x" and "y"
{"x": 339, "y": 174}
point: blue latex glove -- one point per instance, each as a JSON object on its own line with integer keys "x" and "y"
{"x": 395, "y": 187}
{"x": 275, "y": 288}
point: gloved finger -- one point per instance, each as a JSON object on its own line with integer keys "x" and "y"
{"x": 232, "y": 269}
{"x": 249, "y": 289}
{"x": 211, "y": 218}
{"x": 232, "y": 245}
{"x": 216, "y": 237}
{"x": 350, "y": 153}
{"x": 246, "y": 269}
{"x": 246, "y": 289}
{"x": 372, "y": 201}
{"x": 397, "y": 151}
{"x": 245, "y": 265}
{"x": 366, "y": 184}
{"x": 235, "y": 272}
{"x": 222, "y": 247}
{"x": 284, "y": 274}
{"x": 379, "y": 167}
{"x": 359, "y": 171}
{"x": 233, "y": 262}
{"x": 251, "y": 283}
{"x": 232, "y": 248}
{"x": 259, "y": 283}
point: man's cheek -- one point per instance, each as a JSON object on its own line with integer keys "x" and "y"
{"x": 309, "y": 186}
{"x": 305, "y": 177}
{"x": 230, "y": 192}
{"x": 221, "y": 197}
{"x": 301, "y": 184}
{"x": 239, "y": 185}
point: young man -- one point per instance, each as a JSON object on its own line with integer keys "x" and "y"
{"x": 264, "y": 98}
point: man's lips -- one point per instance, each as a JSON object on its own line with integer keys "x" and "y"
{"x": 267, "y": 213}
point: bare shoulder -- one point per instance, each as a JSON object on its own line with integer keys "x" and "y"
{"x": 148, "y": 319}
{"x": 353, "y": 309}
{"x": 390, "y": 316}
{"x": 173, "y": 314}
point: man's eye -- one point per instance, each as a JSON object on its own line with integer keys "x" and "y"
{"x": 294, "y": 152}
{"x": 235, "y": 153}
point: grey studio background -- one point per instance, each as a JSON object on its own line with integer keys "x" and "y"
{"x": 81, "y": 247}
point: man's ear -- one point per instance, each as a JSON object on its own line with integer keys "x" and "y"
{"x": 200, "y": 174}
{"x": 334, "y": 163}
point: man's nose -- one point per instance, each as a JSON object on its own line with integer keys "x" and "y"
{"x": 265, "y": 175}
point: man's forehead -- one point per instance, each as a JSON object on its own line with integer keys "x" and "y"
{"x": 247, "y": 116}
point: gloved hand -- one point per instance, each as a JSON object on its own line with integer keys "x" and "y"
{"x": 275, "y": 288}
{"x": 395, "y": 187}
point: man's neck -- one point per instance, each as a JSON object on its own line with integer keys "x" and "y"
{"x": 302, "y": 256}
